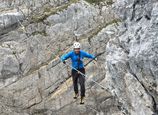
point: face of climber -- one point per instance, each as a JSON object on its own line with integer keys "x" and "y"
{"x": 77, "y": 50}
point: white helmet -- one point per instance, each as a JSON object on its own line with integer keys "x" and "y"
{"x": 76, "y": 45}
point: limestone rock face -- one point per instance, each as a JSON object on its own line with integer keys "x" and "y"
{"x": 8, "y": 21}
{"x": 132, "y": 57}
{"x": 122, "y": 34}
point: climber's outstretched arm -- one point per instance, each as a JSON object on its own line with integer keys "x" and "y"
{"x": 66, "y": 56}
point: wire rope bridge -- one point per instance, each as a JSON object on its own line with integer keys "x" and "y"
{"x": 68, "y": 82}
{"x": 67, "y": 64}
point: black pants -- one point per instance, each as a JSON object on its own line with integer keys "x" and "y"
{"x": 77, "y": 76}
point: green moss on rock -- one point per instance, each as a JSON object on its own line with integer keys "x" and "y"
{"x": 49, "y": 10}
{"x": 43, "y": 33}
{"x": 108, "y": 2}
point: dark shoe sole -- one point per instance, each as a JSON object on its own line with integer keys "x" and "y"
{"x": 81, "y": 103}
{"x": 75, "y": 97}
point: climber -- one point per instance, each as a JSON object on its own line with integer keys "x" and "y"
{"x": 77, "y": 56}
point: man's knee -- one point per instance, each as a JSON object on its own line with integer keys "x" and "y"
{"x": 82, "y": 80}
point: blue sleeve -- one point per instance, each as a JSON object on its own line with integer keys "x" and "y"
{"x": 66, "y": 56}
{"x": 87, "y": 55}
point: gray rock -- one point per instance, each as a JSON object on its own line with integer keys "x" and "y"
{"x": 131, "y": 58}
{"x": 9, "y": 21}
{"x": 33, "y": 81}
{"x": 10, "y": 67}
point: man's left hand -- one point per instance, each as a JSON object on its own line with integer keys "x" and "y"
{"x": 96, "y": 59}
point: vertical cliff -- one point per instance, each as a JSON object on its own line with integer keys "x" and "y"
{"x": 132, "y": 57}
{"x": 122, "y": 33}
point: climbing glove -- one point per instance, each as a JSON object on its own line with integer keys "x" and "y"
{"x": 95, "y": 59}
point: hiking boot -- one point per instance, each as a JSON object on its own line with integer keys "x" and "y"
{"x": 82, "y": 100}
{"x": 76, "y": 95}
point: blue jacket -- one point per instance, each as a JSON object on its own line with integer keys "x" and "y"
{"x": 77, "y": 62}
